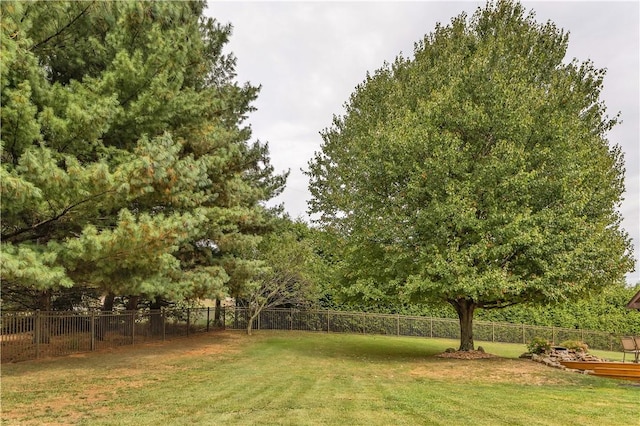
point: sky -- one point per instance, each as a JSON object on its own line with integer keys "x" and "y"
{"x": 308, "y": 57}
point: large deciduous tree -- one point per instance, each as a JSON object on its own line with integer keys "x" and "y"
{"x": 126, "y": 166}
{"x": 477, "y": 172}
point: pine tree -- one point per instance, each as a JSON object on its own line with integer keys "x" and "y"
{"x": 126, "y": 163}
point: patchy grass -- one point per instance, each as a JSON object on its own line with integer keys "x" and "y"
{"x": 279, "y": 378}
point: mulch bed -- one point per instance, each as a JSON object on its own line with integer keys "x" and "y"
{"x": 466, "y": 355}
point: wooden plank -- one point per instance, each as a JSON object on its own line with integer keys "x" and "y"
{"x": 607, "y": 369}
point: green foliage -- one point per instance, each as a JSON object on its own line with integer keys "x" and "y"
{"x": 126, "y": 166}
{"x": 605, "y": 311}
{"x": 575, "y": 345}
{"x": 290, "y": 270}
{"x": 538, "y": 345}
{"x": 477, "y": 173}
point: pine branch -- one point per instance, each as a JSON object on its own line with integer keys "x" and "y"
{"x": 63, "y": 29}
{"x": 64, "y": 211}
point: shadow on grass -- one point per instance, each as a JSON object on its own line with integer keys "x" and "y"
{"x": 372, "y": 348}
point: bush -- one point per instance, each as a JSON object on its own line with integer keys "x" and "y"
{"x": 576, "y": 345}
{"x": 539, "y": 345}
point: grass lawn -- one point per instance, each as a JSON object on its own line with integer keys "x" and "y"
{"x": 277, "y": 378}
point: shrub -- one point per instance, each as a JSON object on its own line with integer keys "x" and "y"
{"x": 538, "y": 345}
{"x": 576, "y": 345}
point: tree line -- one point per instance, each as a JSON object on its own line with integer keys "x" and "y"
{"x": 474, "y": 178}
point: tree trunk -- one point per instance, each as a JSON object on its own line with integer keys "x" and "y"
{"x": 252, "y": 317}
{"x": 44, "y": 300}
{"x": 43, "y": 334}
{"x": 155, "y": 318}
{"x": 105, "y": 320}
{"x": 132, "y": 303}
{"x": 254, "y": 314}
{"x": 130, "y": 318}
{"x": 107, "y": 305}
{"x": 465, "y": 308}
{"x": 216, "y": 314}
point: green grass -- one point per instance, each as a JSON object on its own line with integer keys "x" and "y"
{"x": 276, "y": 378}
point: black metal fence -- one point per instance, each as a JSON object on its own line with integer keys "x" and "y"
{"x": 31, "y": 335}
{"x": 403, "y": 325}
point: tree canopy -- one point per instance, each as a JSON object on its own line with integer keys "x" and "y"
{"x": 477, "y": 173}
{"x": 292, "y": 272}
{"x": 126, "y": 163}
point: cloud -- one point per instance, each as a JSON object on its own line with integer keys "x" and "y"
{"x": 309, "y": 57}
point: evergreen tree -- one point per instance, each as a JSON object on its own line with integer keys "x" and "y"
{"x": 126, "y": 163}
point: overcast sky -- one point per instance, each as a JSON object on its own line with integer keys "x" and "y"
{"x": 309, "y": 56}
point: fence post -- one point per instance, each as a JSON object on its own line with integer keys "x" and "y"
{"x": 36, "y": 333}
{"x": 610, "y": 342}
{"x": 92, "y": 324}
{"x": 188, "y": 320}
{"x": 164, "y": 322}
{"x": 38, "y": 324}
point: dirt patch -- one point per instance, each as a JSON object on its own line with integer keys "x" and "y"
{"x": 103, "y": 375}
{"x": 491, "y": 369}
{"x": 212, "y": 343}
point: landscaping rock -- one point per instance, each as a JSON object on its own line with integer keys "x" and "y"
{"x": 559, "y": 353}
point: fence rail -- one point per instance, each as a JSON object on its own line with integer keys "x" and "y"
{"x": 404, "y": 325}
{"x": 31, "y": 335}
{"x": 36, "y": 334}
